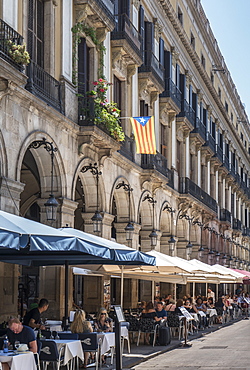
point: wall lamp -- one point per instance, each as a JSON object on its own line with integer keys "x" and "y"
{"x": 51, "y": 205}
{"x": 153, "y": 235}
{"x": 129, "y": 228}
{"x": 189, "y": 246}
{"x": 172, "y": 240}
{"x": 216, "y": 68}
{"x": 97, "y": 218}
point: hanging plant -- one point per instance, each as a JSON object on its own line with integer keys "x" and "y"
{"x": 106, "y": 113}
{"x": 18, "y": 53}
{"x": 78, "y": 29}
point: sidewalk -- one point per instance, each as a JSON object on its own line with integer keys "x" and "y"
{"x": 145, "y": 352}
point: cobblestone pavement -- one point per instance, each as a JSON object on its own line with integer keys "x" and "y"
{"x": 224, "y": 349}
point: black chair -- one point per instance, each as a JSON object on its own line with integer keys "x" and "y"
{"x": 50, "y": 354}
{"x": 90, "y": 343}
{"x": 133, "y": 325}
{"x": 69, "y": 336}
{"x": 147, "y": 325}
{"x": 46, "y": 334}
{"x": 174, "y": 322}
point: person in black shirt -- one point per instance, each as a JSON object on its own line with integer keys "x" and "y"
{"x": 19, "y": 332}
{"x": 33, "y": 317}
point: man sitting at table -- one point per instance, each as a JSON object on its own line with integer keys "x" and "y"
{"x": 19, "y": 332}
{"x": 33, "y": 317}
{"x": 160, "y": 312}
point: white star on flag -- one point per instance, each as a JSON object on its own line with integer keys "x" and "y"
{"x": 142, "y": 120}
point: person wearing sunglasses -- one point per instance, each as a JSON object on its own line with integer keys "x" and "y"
{"x": 103, "y": 323}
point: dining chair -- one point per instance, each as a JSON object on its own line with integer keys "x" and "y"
{"x": 69, "y": 336}
{"x": 50, "y": 354}
{"x": 147, "y": 325}
{"x": 174, "y": 322}
{"x": 91, "y": 343}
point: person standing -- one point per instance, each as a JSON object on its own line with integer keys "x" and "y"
{"x": 210, "y": 294}
{"x": 33, "y": 317}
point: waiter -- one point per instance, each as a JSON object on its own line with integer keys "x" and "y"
{"x": 33, "y": 317}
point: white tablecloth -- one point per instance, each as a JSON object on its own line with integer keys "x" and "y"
{"x": 22, "y": 361}
{"x": 195, "y": 316}
{"x": 73, "y": 348}
{"x": 108, "y": 341}
{"x": 211, "y": 312}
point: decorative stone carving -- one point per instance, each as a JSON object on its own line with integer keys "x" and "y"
{"x": 158, "y": 29}
{"x": 188, "y": 78}
{"x": 101, "y": 33}
{"x": 136, "y": 4}
{"x": 200, "y": 96}
{"x": 82, "y": 13}
{"x": 153, "y": 98}
{"x": 116, "y": 55}
{"x": 131, "y": 71}
{"x": 175, "y": 55}
{"x": 6, "y": 88}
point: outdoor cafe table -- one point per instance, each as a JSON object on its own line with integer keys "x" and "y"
{"x": 72, "y": 349}
{"x": 108, "y": 339}
{"x": 211, "y": 312}
{"x": 20, "y": 361}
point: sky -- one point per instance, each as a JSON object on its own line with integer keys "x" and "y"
{"x": 230, "y": 23}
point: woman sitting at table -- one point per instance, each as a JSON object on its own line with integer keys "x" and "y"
{"x": 148, "y": 313}
{"x": 210, "y": 302}
{"x": 103, "y": 323}
{"x": 201, "y": 307}
{"x": 81, "y": 325}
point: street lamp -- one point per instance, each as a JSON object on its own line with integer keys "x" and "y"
{"x": 51, "y": 204}
{"x": 97, "y": 218}
{"x": 171, "y": 243}
{"x": 129, "y": 228}
{"x": 189, "y": 246}
{"x": 153, "y": 235}
{"x": 172, "y": 240}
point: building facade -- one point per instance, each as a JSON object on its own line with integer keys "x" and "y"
{"x": 163, "y": 61}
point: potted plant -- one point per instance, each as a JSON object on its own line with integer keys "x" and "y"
{"x": 18, "y": 53}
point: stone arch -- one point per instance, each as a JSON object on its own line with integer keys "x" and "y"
{"x": 122, "y": 201}
{"x": 165, "y": 227}
{"x": 145, "y": 219}
{"x": 34, "y": 170}
{"x": 3, "y": 157}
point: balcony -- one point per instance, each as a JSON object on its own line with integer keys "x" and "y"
{"x": 171, "y": 91}
{"x": 125, "y": 35}
{"x": 127, "y": 149}
{"x": 189, "y": 187}
{"x": 99, "y": 12}
{"x": 246, "y": 231}
{"x": 187, "y": 111}
{"x": 155, "y": 162}
{"x": 226, "y": 162}
{"x": 152, "y": 69}
{"x": 237, "y": 225}
{"x": 200, "y": 128}
{"x": 219, "y": 153}
{"x": 210, "y": 142}
{"x": 44, "y": 86}
{"x": 7, "y": 33}
{"x": 225, "y": 215}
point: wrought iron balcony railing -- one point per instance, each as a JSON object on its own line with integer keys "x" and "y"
{"x": 152, "y": 64}
{"x": 189, "y": 187}
{"x": 172, "y": 91}
{"x": 125, "y": 30}
{"x": 157, "y": 162}
{"x": 219, "y": 152}
{"x": 200, "y": 128}
{"x": 8, "y": 33}
{"x": 225, "y": 215}
{"x": 44, "y": 86}
{"x": 246, "y": 231}
{"x": 127, "y": 148}
{"x": 210, "y": 141}
{"x": 187, "y": 111}
{"x": 226, "y": 162}
{"x": 237, "y": 224}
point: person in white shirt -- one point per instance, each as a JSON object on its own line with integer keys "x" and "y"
{"x": 210, "y": 294}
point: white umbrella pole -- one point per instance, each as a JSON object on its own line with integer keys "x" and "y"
{"x": 217, "y": 292}
{"x": 153, "y": 291}
{"x": 193, "y": 290}
{"x": 175, "y": 291}
{"x": 206, "y": 290}
{"x": 122, "y": 285}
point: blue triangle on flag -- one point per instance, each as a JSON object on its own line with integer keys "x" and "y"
{"x": 142, "y": 120}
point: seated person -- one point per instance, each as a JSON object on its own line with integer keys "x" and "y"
{"x": 33, "y": 317}
{"x": 171, "y": 306}
{"x": 179, "y": 304}
{"x": 201, "y": 307}
{"x": 149, "y": 311}
{"x": 19, "y": 332}
{"x": 190, "y": 307}
{"x": 103, "y": 323}
{"x": 160, "y": 312}
{"x": 210, "y": 302}
{"x": 220, "y": 308}
{"x": 81, "y": 325}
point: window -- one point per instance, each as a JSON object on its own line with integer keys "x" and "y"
{"x": 212, "y": 77}
{"x": 180, "y": 15}
{"x": 163, "y": 141}
{"x": 143, "y": 108}
{"x": 117, "y": 92}
{"x": 226, "y": 106}
{"x": 232, "y": 117}
{"x": 219, "y": 92}
{"x": 203, "y": 61}
{"x": 35, "y": 44}
{"x": 192, "y": 40}
{"x": 83, "y": 67}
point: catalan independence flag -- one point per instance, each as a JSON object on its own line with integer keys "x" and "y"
{"x": 144, "y": 132}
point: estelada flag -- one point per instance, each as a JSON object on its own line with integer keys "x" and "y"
{"x": 144, "y": 132}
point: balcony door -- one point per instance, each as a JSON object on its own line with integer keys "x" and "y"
{"x": 35, "y": 44}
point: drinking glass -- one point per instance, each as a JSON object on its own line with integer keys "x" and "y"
{"x": 17, "y": 344}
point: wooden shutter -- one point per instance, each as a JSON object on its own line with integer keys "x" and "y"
{"x": 161, "y": 51}
{"x": 149, "y": 41}
{"x": 177, "y": 71}
{"x": 168, "y": 64}
{"x": 83, "y": 67}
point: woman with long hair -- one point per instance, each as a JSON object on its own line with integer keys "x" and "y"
{"x": 81, "y": 325}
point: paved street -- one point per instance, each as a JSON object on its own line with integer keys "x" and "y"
{"x": 225, "y": 349}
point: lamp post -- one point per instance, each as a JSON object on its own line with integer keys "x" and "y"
{"x": 97, "y": 218}
{"x": 51, "y": 204}
{"x": 172, "y": 240}
{"x": 129, "y": 228}
{"x": 153, "y": 235}
{"x": 189, "y": 246}
{"x": 201, "y": 249}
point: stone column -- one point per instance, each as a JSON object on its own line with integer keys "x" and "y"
{"x": 223, "y": 203}
{"x": 187, "y": 164}
{"x": 10, "y": 191}
{"x": 67, "y": 211}
{"x": 173, "y": 157}
{"x": 208, "y": 178}
{"x": 199, "y": 168}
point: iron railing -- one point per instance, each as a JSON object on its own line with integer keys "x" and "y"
{"x": 152, "y": 64}
{"x": 155, "y": 161}
{"x": 200, "y": 128}
{"x": 187, "y": 186}
{"x": 210, "y": 141}
{"x": 187, "y": 111}
{"x": 237, "y": 224}
{"x": 245, "y": 231}
{"x": 219, "y": 152}
{"x": 125, "y": 29}
{"x": 226, "y": 162}
{"x": 7, "y": 33}
{"x": 171, "y": 91}
{"x": 225, "y": 215}
{"x": 44, "y": 86}
{"x": 127, "y": 148}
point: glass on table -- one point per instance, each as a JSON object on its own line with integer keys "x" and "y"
{"x": 17, "y": 344}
